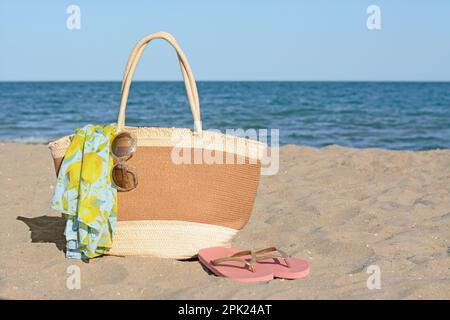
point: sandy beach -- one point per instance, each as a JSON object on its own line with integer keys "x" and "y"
{"x": 342, "y": 209}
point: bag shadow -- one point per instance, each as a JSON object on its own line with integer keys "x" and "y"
{"x": 46, "y": 229}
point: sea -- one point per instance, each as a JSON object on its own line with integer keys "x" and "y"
{"x": 390, "y": 115}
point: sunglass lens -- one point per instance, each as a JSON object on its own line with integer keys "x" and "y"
{"x": 123, "y": 145}
{"x": 124, "y": 177}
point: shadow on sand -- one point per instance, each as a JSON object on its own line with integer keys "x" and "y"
{"x": 47, "y": 229}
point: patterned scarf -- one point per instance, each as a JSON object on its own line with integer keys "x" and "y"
{"x": 85, "y": 194}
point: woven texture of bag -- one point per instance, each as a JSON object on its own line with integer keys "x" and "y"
{"x": 179, "y": 207}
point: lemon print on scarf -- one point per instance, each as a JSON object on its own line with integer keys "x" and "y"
{"x": 75, "y": 145}
{"x": 74, "y": 174}
{"x": 92, "y": 167}
{"x": 90, "y": 209}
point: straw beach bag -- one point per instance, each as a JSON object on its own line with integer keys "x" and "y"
{"x": 179, "y": 207}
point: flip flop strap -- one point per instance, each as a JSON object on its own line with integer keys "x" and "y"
{"x": 249, "y": 263}
{"x": 278, "y": 253}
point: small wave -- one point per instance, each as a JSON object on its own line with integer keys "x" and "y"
{"x": 27, "y": 140}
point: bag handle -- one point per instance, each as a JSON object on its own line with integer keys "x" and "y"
{"x": 188, "y": 76}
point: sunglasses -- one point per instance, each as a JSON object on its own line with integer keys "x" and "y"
{"x": 124, "y": 177}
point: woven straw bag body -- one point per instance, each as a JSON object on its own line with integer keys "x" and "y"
{"x": 179, "y": 207}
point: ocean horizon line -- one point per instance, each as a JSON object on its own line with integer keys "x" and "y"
{"x": 251, "y": 81}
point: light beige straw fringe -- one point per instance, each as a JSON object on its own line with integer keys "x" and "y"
{"x": 167, "y": 239}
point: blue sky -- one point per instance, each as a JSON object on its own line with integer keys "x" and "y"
{"x": 230, "y": 40}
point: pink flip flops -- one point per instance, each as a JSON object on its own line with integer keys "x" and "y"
{"x": 247, "y": 266}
